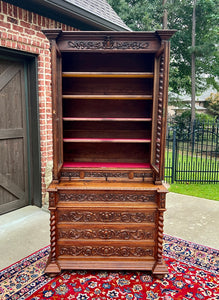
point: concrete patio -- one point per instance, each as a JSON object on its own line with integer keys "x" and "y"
{"x": 26, "y": 230}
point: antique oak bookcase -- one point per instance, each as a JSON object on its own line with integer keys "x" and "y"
{"x": 107, "y": 199}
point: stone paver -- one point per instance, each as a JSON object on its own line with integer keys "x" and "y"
{"x": 193, "y": 219}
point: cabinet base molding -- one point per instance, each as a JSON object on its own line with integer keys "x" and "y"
{"x": 52, "y": 268}
{"x": 158, "y": 270}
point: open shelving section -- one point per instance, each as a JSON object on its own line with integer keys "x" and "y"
{"x": 105, "y": 110}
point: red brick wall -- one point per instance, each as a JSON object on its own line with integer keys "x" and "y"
{"x": 21, "y": 30}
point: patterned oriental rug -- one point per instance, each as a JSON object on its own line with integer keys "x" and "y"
{"x": 193, "y": 274}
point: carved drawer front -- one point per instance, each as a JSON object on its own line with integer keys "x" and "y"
{"x": 106, "y": 230}
{"x": 105, "y": 250}
{"x": 107, "y": 215}
{"x": 128, "y": 232}
{"x": 107, "y": 196}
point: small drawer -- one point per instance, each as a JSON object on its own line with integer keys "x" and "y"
{"x": 107, "y": 196}
{"x": 108, "y": 250}
{"x": 106, "y": 232}
{"x": 111, "y": 215}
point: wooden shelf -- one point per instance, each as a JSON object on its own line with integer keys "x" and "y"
{"x": 108, "y": 97}
{"x": 108, "y": 74}
{"x": 94, "y": 140}
{"x": 108, "y": 119}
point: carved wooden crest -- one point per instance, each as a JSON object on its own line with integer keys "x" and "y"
{"x": 107, "y": 43}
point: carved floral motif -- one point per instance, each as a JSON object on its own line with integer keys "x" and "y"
{"x": 70, "y": 174}
{"x": 106, "y": 251}
{"x": 52, "y": 198}
{"x": 107, "y": 197}
{"x": 106, "y": 234}
{"x": 106, "y": 174}
{"x": 111, "y": 216}
{"x": 108, "y": 43}
{"x": 93, "y": 174}
{"x": 162, "y": 200}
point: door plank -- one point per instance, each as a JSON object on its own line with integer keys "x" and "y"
{"x": 7, "y": 75}
{"x": 12, "y": 188}
{"x": 13, "y": 137}
{"x": 6, "y": 207}
{"x": 11, "y": 133}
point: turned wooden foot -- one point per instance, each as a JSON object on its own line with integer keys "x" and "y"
{"x": 160, "y": 270}
{"x": 52, "y": 269}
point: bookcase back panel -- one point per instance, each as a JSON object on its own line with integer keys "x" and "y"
{"x": 99, "y": 108}
{"x": 106, "y": 152}
{"x": 107, "y": 86}
{"x": 107, "y": 62}
{"x": 116, "y": 130}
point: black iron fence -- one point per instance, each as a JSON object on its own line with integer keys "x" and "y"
{"x": 192, "y": 153}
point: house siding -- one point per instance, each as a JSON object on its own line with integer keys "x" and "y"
{"x": 21, "y": 30}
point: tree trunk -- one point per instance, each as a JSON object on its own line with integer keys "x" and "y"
{"x": 164, "y": 16}
{"x": 193, "y": 65}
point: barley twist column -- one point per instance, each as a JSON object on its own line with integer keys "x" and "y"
{"x": 52, "y": 267}
{"x": 160, "y": 237}
{"x": 53, "y": 235}
{"x": 160, "y": 269}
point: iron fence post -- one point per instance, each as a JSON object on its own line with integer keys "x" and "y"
{"x": 193, "y": 135}
{"x": 173, "y": 156}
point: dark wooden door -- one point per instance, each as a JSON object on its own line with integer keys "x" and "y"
{"x": 13, "y": 137}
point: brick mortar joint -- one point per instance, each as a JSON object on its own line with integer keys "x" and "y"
{"x": 34, "y": 19}
{"x": 25, "y": 15}
{"x": 24, "y": 44}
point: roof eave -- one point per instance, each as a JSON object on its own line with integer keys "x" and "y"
{"x": 80, "y": 14}
{"x": 69, "y": 14}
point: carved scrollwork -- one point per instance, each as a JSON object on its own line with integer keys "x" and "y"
{"x": 162, "y": 200}
{"x": 106, "y": 174}
{"x": 142, "y": 175}
{"x": 107, "y": 197}
{"x": 106, "y": 234}
{"x": 110, "y": 216}
{"x": 106, "y": 251}
{"x": 52, "y": 198}
{"x": 92, "y": 174}
{"x": 107, "y": 43}
{"x": 70, "y": 174}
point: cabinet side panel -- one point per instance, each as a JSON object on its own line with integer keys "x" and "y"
{"x": 56, "y": 109}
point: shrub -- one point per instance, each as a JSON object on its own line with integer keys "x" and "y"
{"x": 212, "y": 104}
{"x": 182, "y": 123}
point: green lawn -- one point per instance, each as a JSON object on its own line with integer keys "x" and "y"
{"x": 208, "y": 191}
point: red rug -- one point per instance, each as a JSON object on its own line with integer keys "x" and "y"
{"x": 193, "y": 274}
